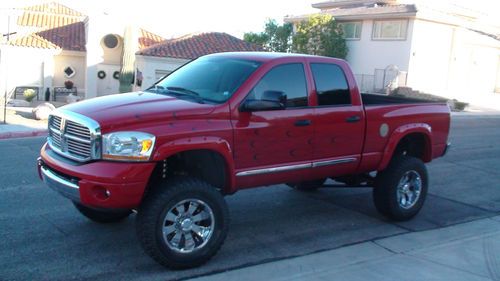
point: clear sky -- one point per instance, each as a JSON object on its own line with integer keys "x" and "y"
{"x": 172, "y": 18}
{"x": 178, "y": 17}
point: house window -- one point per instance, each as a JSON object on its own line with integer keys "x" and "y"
{"x": 160, "y": 73}
{"x": 69, "y": 72}
{"x": 390, "y": 29}
{"x": 352, "y": 30}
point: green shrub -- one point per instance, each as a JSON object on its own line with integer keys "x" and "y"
{"x": 29, "y": 95}
{"x": 320, "y": 35}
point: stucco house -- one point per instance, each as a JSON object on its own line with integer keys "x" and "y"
{"x": 160, "y": 59}
{"x": 50, "y": 43}
{"x": 441, "y": 51}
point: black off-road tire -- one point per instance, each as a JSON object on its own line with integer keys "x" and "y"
{"x": 159, "y": 201}
{"x": 102, "y": 216}
{"x": 386, "y": 188}
{"x": 307, "y": 186}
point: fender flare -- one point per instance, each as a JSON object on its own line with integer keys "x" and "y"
{"x": 215, "y": 144}
{"x": 400, "y": 133}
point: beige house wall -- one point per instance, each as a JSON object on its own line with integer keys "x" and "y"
{"x": 22, "y": 66}
{"x": 430, "y": 56}
{"x": 452, "y": 61}
{"x": 365, "y": 55}
{"x": 150, "y": 66}
{"x": 77, "y": 61}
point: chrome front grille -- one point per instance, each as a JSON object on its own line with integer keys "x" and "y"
{"x": 74, "y": 136}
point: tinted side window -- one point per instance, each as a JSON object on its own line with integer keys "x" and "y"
{"x": 287, "y": 78}
{"x": 331, "y": 84}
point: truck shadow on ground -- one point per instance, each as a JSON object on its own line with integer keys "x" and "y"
{"x": 268, "y": 223}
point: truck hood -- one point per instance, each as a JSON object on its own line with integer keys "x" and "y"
{"x": 121, "y": 110}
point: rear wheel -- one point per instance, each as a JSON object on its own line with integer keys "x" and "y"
{"x": 307, "y": 185}
{"x": 401, "y": 189}
{"x": 102, "y": 216}
{"x": 182, "y": 223}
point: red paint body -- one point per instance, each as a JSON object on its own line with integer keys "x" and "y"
{"x": 256, "y": 140}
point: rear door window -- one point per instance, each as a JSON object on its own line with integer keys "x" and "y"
{"x": 331, "y": 84}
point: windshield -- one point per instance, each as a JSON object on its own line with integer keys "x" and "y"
{"x": 207, "y": 79}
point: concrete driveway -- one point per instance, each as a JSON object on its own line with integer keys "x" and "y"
{"x": 43, "y": 237}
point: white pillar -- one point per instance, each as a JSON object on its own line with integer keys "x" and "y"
{"x": 94, "y": 53}
{"x": 48, "y": 73}
{"x": 3, "y": 71}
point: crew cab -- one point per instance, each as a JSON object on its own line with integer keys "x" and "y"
{"x": 231, "y": 121}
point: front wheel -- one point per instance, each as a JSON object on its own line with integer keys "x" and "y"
{"x": 182, "y": 223}
{"x": 400, "y": 190}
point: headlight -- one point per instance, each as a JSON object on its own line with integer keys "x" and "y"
{"x": 127, "y": 146}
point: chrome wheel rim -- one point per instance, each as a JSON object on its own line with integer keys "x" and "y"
{"x": 409, "y": 189}
{"x": 188, "y": 226}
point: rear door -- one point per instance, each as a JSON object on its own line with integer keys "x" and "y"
{"x": 338, "y": 121}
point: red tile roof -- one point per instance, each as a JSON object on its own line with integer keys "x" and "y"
{"x": 147, "y": 38}
{"x": 54, "y": 8}
{"x": 194, "y": 46}
{"x": 60, "y": 27}
{"x": 69, "y": 37}
{"x": 45, "y": 20}
{"x": 49, "y": 15}
{"x": 33, "y": 40}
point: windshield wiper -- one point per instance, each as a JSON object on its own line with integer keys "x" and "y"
{"x": 176, "y": 91}
{"x": 155, "y": 88}
{"x": 183, "y": 90}
{"x": 186, "y": 92}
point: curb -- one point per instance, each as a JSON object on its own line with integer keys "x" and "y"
{"x": 22, "y": 134}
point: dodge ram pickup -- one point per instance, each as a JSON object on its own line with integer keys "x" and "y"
{"x": 231, "y": 121}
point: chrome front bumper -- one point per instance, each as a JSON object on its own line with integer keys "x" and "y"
{"x": 448, "y": 145}
{"x": 60, "y": 184}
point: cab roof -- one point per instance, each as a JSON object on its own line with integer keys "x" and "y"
{"x": 264, "y": 56}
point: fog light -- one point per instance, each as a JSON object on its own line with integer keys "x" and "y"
{"x": 101, "y": 193}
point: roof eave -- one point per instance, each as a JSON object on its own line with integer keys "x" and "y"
{"x": 357, "y": 17}
{"x": 342, "y": 3}
{"x": 377, "y": 16}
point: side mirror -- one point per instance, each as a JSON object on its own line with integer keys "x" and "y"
{"x": 271, "y": 100}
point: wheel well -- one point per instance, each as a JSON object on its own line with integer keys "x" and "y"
{"x": 415, "y": 145}
{"x": 206, "y": 165}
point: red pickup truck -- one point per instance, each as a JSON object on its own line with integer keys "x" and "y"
{"x": 231, "y": 121}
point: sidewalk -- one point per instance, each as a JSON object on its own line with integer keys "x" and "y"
{"x": 469, "y": 251}
{"x": 20, "y": 124}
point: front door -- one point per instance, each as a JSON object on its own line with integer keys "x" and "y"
{"x": 275, "y": 145}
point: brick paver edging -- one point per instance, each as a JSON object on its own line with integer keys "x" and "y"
{"x": 23, "y": 134}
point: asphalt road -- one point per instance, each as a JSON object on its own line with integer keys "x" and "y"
{"x": 42, "y": 237}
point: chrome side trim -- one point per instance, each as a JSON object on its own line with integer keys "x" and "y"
{"x": 64, "y": 187}
{"x": 274, "y": 170}
{"x": 295, "y": 167}
{"x": 332, "y": 162}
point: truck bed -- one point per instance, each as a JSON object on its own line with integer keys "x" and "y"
{"x": 374, "y": 99}
{"x": 395, "y": 112}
